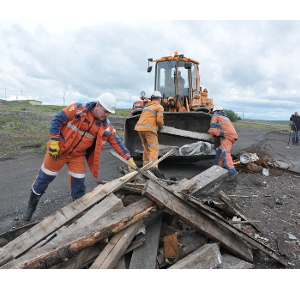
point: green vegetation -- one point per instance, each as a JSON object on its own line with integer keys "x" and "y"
{"x": 123, "y": 112}
{"x": 232, "y": 116}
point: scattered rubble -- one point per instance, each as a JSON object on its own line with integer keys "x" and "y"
{"x": 140, "y": 221}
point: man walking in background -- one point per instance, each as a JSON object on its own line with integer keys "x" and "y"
{"x": 295, "y": 127}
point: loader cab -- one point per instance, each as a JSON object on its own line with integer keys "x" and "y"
{"x": 175, "y": 77}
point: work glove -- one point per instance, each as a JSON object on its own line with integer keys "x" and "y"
{"x": 132, "y": 162}
{"x": 54, "y": 150}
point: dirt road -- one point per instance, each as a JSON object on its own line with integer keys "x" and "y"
{"x": 278, "y": 219}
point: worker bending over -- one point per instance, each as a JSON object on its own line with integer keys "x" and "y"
{"x": 77, "y": 132}
{"x": 221, "y": 126}
{"x": 150, "y": 121}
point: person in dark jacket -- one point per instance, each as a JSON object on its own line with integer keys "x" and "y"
{"x": 77, "y": 132}
{"x": 295, "y": 127}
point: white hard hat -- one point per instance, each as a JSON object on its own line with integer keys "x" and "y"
{"x": 218, "y": 108}
{"x": 108, "y": 101}
{"x": 156, "y": 94}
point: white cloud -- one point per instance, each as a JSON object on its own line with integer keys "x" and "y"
{"x": 247, "y": 66}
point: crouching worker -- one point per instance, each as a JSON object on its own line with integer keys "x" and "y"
{"x": 221, "y": 126}
{"x": 77, "y": 132}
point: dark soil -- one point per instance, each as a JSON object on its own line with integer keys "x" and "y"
{"x": 273, "y": 200}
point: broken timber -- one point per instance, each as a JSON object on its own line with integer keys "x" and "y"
{"x": 184, "y": 133}
{"x": 205, "y": 257}
{"x": 116, "y": 247}
{"x": 209, "y": 219}
{"x": 50, "y": 224}
{"x": 196, "y": 219}
{"x": 71, "y": 244}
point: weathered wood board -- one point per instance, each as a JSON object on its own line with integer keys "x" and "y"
{"x": 70, "y": 245}
{"x": 184, "y": 133}
{"x": 50, "y": 224}
{"x": 197, "y": 220}
{"x": 206, "y": 257}
{"x": 144, "y": 257}
{"x": 116, "y": 247}
{"x": 209, "y": 180}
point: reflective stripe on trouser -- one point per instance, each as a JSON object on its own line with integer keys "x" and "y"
{"x": 223, "y": 155}
{"x": 150, "y": 145}
{"x": 50, "y": 169}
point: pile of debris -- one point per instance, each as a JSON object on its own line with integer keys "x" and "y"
{"x": 140, "y": 221}
{"x": 261, "y": 159}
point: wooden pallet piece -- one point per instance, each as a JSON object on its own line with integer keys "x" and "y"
{"x": 70, "y": 245}
{"x": 144, "y": 257}
{"x": 206, "y": 257}
{"x": 40, "y": 231}
{"x": 197, "y": 220}
{"x": 106, "y": 206}
{"x": 116, "y": 247}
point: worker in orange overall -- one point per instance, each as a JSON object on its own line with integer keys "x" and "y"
{"x": 77, "y": 132}
{"x": 221, "y": 126}
{"x": 150, "y": 121}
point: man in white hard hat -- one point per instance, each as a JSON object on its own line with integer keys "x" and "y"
{"x": 150, "y": 121}
{"x": 221, "y": 126}
{"x": 77, "y": 132}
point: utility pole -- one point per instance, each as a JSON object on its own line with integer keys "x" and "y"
{"x": 5, "y": 93}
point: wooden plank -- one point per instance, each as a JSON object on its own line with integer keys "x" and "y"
{"x": 7, "y": 237}
{"x": 116, "y": 247}
{"x": 82, "y": 259}
{"x": 121, "y": 263}
{"x": 144, "y": 257}
{"x": 50, "y": 224}
{"x": 231, "y": 262}
{"x": 70, "y": 245}
{"x": 206, "y": 257}
{"x": 236, "y": 209}
{"x": 209, "y": 180}
{"x": 197, "y": 220}
{"x": 108, "y": 205}
{"x": 189, "y": 243}
{"x": 209, "y": 214}
{"x": 184, "y": 133}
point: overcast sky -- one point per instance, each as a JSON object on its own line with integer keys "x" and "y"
{"x": 249, "y": 66}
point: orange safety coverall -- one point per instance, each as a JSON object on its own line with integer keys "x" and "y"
{"x": 150, "y": 121}
{"x": 221, "y": 126}
{"x": 80, "y": 137}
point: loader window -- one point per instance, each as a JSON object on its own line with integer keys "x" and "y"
{"x": 164, "y": 75}
{"x": 183, "y": 79}
{"x": 194, "y": 77}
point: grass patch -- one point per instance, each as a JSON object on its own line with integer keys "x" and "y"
{"x": 282, "y": 125}
{"x": 123, "y": 112}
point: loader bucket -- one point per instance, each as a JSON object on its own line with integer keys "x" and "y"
{"x": 191, "y": 122}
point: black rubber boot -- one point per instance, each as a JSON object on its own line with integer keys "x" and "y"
{"x": 31, "y": 207}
